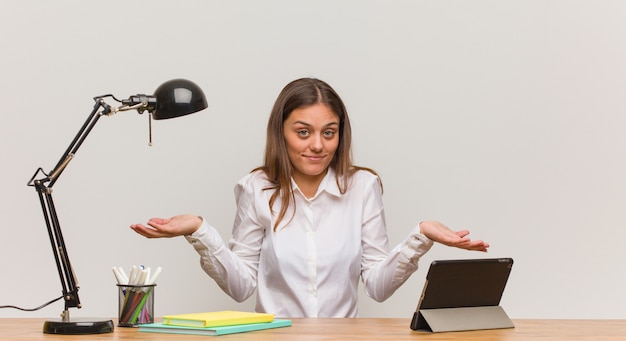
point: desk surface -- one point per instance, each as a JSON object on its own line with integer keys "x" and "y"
{"x": 351, "y": 329}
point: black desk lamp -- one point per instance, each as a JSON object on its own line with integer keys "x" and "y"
{"x": 173, "y": 98}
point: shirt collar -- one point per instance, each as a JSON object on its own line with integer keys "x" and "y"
{"x": 328, "y": 184}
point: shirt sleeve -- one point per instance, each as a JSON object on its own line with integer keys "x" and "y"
{"x": 382, "y": 271}
{"x": 234, "y": 268}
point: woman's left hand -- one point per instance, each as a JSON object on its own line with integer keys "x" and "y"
{"x": 440, "y": 233}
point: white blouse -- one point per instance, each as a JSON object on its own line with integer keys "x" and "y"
{"x": 310, "y": 266}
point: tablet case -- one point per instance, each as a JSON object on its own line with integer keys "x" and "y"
{"x": 463, "y": 295}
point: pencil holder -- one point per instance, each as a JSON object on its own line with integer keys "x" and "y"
{"x": 135, "y": 305}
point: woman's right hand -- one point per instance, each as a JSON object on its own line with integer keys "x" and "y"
{"x": 180, "y": 225}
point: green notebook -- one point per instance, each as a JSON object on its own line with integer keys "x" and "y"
{"x": 241, "y": 328}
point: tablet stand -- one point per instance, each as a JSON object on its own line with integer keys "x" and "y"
{"x": 459, "y": 319}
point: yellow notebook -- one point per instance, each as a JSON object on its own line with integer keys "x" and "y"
{"x": 217, "y": 318}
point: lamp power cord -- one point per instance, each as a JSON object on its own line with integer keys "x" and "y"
{"x": 32, "y": 309}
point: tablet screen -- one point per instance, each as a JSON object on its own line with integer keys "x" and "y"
{"x": 465, "y": 283}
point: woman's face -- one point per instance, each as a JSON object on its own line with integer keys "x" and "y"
{"x": 312, "y": 136}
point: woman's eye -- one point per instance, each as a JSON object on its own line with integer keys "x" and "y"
{"x": 303, "y": 133}
{"x": 329, "y": 133}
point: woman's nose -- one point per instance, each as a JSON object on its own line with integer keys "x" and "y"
{"x": 316, "y": 144}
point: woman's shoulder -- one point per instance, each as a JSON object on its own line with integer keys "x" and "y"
{"x": 364, "y": 176}
{"x": 256, "y": 178}
{"x": 250, "y": 186}
{"x": 365, "y": 173}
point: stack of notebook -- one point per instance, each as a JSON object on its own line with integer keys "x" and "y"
{"x": 214, "y": 323}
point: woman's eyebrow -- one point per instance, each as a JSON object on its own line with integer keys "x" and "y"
{"x": 334, "y": 123}
{"x": 301, "y": 122}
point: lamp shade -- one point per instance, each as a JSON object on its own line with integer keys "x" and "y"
{"x": 178, "y": 97}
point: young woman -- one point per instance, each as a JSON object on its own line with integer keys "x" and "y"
{"x": 309, "y": 223}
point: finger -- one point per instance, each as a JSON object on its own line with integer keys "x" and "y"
{"x": 146, "y": 231}
{"x": 479, "y": 245}
{"x": 138, "y": 229}
{"x": 157, "y": 225}
{"x": 159, "y": 221}
{"x": 461, "y": 241}
{"x": 462, "y": 233}
{"x": 472, "y": 245}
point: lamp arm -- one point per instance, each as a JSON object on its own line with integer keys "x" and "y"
{"x": 78, "y": 140}
{"x": 43, "y": 186}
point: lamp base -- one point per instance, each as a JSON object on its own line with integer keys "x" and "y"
{"x": 78, "y": 327}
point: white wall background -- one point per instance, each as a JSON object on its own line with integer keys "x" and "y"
{"x": 504, "y": 117}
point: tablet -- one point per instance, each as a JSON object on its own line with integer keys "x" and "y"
{"x": 464, "y": 283}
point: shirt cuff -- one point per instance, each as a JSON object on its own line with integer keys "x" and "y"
{"x": 416, "y": 245}
{"x": 206, "y": 239}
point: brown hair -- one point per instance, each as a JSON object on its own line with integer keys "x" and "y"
{"x": 301, "y": 93}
